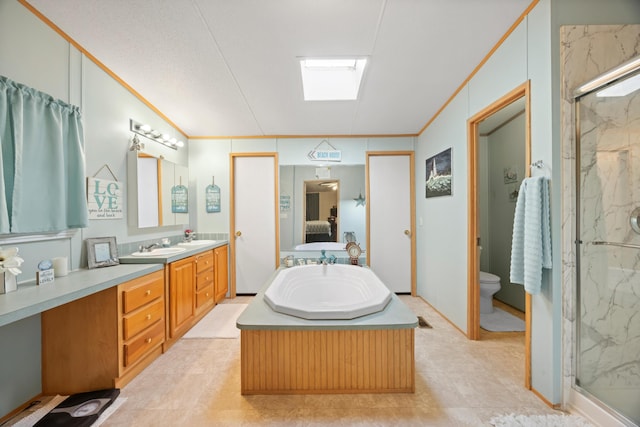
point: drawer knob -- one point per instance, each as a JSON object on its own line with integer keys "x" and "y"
{"x": 207, "y": 294}
{"x": 148, "y": 317}
{"x": 148, "y": 292}
{"x": 148, "y": 340}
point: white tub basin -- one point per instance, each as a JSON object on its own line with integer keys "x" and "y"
{"x": 327, "y": 292}
{"x": 197, "y": 243}
{"x": 159, "y": 252}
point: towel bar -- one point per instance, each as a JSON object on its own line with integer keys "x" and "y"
{"x": 622, "y": 245}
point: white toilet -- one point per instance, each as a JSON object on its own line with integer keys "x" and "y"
{"x": 489, "y": 285}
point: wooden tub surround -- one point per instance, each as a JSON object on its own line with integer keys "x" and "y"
{"x": 282, "y": 354}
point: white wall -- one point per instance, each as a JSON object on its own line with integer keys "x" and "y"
{"x": 209, "y": 157}
{"x": 33, "y": 54}
{"x": 442, "y": 242}
{"x": 529, "y": 53}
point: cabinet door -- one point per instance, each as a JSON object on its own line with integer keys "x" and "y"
{"x": 182, "y": 276}
{"x": 221, "y": 256}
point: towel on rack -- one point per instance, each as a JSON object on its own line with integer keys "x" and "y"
{"x": 531, "y": 239}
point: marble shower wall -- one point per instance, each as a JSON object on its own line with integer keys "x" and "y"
{"x": 610, "y": 276}
{"x": 610, "y": 186}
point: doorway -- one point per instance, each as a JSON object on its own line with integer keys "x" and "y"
{"x": 254, "y": 227}
{"x": 521, "y": 93}
{"x": 391, "y": 252}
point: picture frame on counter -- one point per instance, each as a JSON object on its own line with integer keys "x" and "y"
{"x": 102, "y": 252}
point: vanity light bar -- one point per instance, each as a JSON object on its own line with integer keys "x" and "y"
{"x": 157, "y": 136}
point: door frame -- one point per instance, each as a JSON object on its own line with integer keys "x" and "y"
{"x": 412, "y": 207}
{"x": 473, "y": 267}
{"x": 232, "y": 213}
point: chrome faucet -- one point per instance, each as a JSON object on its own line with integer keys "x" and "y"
{"x": 189, "y": 235}
{"x": 148, "y": 248}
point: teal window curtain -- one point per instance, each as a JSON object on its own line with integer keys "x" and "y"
{"x": 42, "y": 161}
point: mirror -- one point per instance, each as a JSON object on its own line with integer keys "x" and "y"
{"x": 320, "y": 211}
{"x": 296, "y": 181}
{"x": 158, "y": 193}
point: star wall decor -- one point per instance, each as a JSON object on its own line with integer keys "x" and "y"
{"x": 360, "y": 201}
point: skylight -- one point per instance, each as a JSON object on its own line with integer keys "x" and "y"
{"x": 331, "y": 79}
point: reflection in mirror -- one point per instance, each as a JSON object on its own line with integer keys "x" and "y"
{"x": 347, "y": 216}
{"x": 321, "y": 211}
{"x": 148, "y": 172}
{"x": 151, "y": 181}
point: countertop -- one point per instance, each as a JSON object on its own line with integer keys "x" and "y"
{"x": 190, "y": 250}
{"x": 32, "y": 299}
{"x": 259, "y": 316}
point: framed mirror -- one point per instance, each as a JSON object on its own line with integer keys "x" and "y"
{"x": 296, "y": 214}
{"x": 151, "y": 184}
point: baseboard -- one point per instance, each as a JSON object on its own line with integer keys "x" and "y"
{"x": 586, "y": 408}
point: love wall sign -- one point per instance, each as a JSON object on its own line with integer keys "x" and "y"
{"x": 104, "y": 199}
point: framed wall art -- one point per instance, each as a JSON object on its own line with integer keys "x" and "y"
{"x": 102, "y": 252}
{"x": 438, "y": 174}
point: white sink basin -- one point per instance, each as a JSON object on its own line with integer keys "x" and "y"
{"x": 197, "y": 242}
{"x": 159, "y": 252}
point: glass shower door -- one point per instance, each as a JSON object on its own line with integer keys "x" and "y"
{"x": 608, "y": 250}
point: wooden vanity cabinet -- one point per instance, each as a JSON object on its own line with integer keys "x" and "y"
{"x": 204, "y": 282}
{"x": 221, "y": 262}
{"x": 103, "y": 340}
{"x": 182, "y": 282}
{"x": 191, "y": 293}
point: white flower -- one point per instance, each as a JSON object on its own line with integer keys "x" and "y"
{"x": 10, "y": 261}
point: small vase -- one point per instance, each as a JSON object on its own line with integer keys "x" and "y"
{"x": 8, "y": 283}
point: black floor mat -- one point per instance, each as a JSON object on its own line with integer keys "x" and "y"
{"x": 79, "y": 410}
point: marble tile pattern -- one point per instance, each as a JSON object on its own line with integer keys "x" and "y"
{"x": 586, "y": 51}
{"x": 458, "y": 383}
{"x": 609, "y": 341}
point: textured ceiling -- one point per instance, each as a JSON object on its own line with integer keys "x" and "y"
{"x": 230, "y": 68}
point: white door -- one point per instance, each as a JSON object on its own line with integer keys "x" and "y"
{"x": 390, "y": 207}
{"x": 254, "y": 243}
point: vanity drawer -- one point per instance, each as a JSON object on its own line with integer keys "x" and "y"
{"x": 204, "y": 279}
{"x": 204, "y": 296}
{"x": 145, "y": 342}
{"x": 142, "y": 291}
{"x": 139, "y": 321}
{"x": 204, "y": 261}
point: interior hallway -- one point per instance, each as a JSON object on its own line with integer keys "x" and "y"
{"x": 458, "y": 383}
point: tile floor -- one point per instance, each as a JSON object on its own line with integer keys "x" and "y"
{"x": 458, "y": 383}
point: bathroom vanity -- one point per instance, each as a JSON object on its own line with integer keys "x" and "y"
{"x": 196, "y": 279}
{"x": 101, "y": 327}
{"x": 104, "y": 339}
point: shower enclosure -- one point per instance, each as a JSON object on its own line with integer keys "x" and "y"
{"x": 607, "y": 349}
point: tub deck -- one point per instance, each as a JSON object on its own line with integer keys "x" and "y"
{"x": 282, "y": 354}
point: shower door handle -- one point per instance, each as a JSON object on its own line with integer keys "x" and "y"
{"x": 621, "y": 245}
